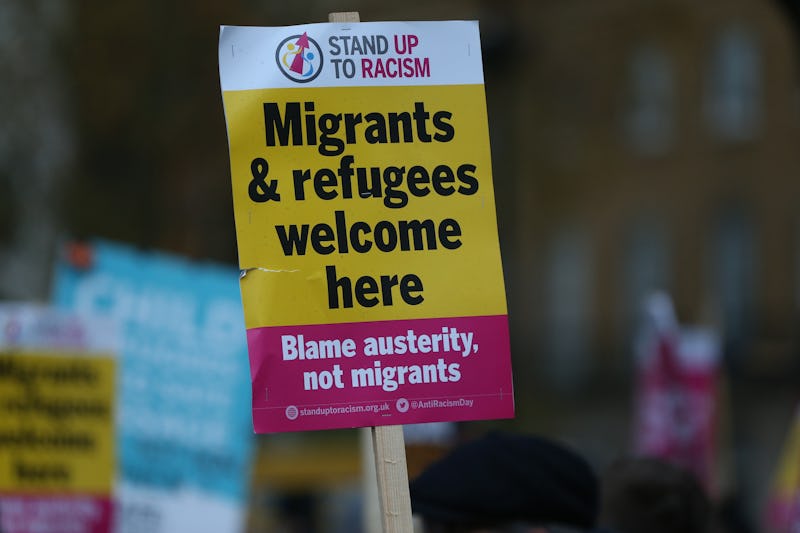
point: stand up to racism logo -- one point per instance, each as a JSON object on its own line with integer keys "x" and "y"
{"x": 299, "y": 57}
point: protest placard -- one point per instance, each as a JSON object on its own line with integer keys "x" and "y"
{"x": 362, "y": 187}
{"x": 57, "y": 412}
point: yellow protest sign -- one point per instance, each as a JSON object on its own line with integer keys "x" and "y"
{"x": 56, "y": 436}
{"x": 366, "y": 225}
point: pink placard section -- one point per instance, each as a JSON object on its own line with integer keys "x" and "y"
{"x": 52, "y": 513}
{"x": 380, "y": 373}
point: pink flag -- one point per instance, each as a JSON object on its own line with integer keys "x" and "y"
{"x": 676, "y": 392}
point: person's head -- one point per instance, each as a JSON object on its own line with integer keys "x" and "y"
{"x": 506, "y": 482}
{"x": 648, "y": 495}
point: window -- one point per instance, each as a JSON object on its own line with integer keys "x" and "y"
{"x": 733, "y": 100}
{"x": 568, "y": 301}
{"x": 650, "y": 117}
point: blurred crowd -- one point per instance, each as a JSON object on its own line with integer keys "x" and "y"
{"x": 519, "y": 483}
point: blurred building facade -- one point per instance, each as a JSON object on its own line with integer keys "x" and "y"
{"x": 657, "y": 150}
{"x": 662, "y": 155}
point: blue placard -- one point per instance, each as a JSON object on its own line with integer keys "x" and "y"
{"x": 184, "y": 406}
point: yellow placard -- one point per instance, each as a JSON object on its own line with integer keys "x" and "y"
{"x": 56, "y": 423}
{"x": 364, "y": 203}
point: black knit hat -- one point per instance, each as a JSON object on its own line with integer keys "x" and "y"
{"x": 502, "y": 478}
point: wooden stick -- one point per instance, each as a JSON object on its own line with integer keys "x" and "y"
{"x": 387, "y": 441}
{"x": 390, "y": 465}
{"x": 344, "y": 16}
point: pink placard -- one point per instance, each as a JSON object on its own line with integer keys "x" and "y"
{"x": 380, "y": 373}
{"x": 54, "y": 513}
